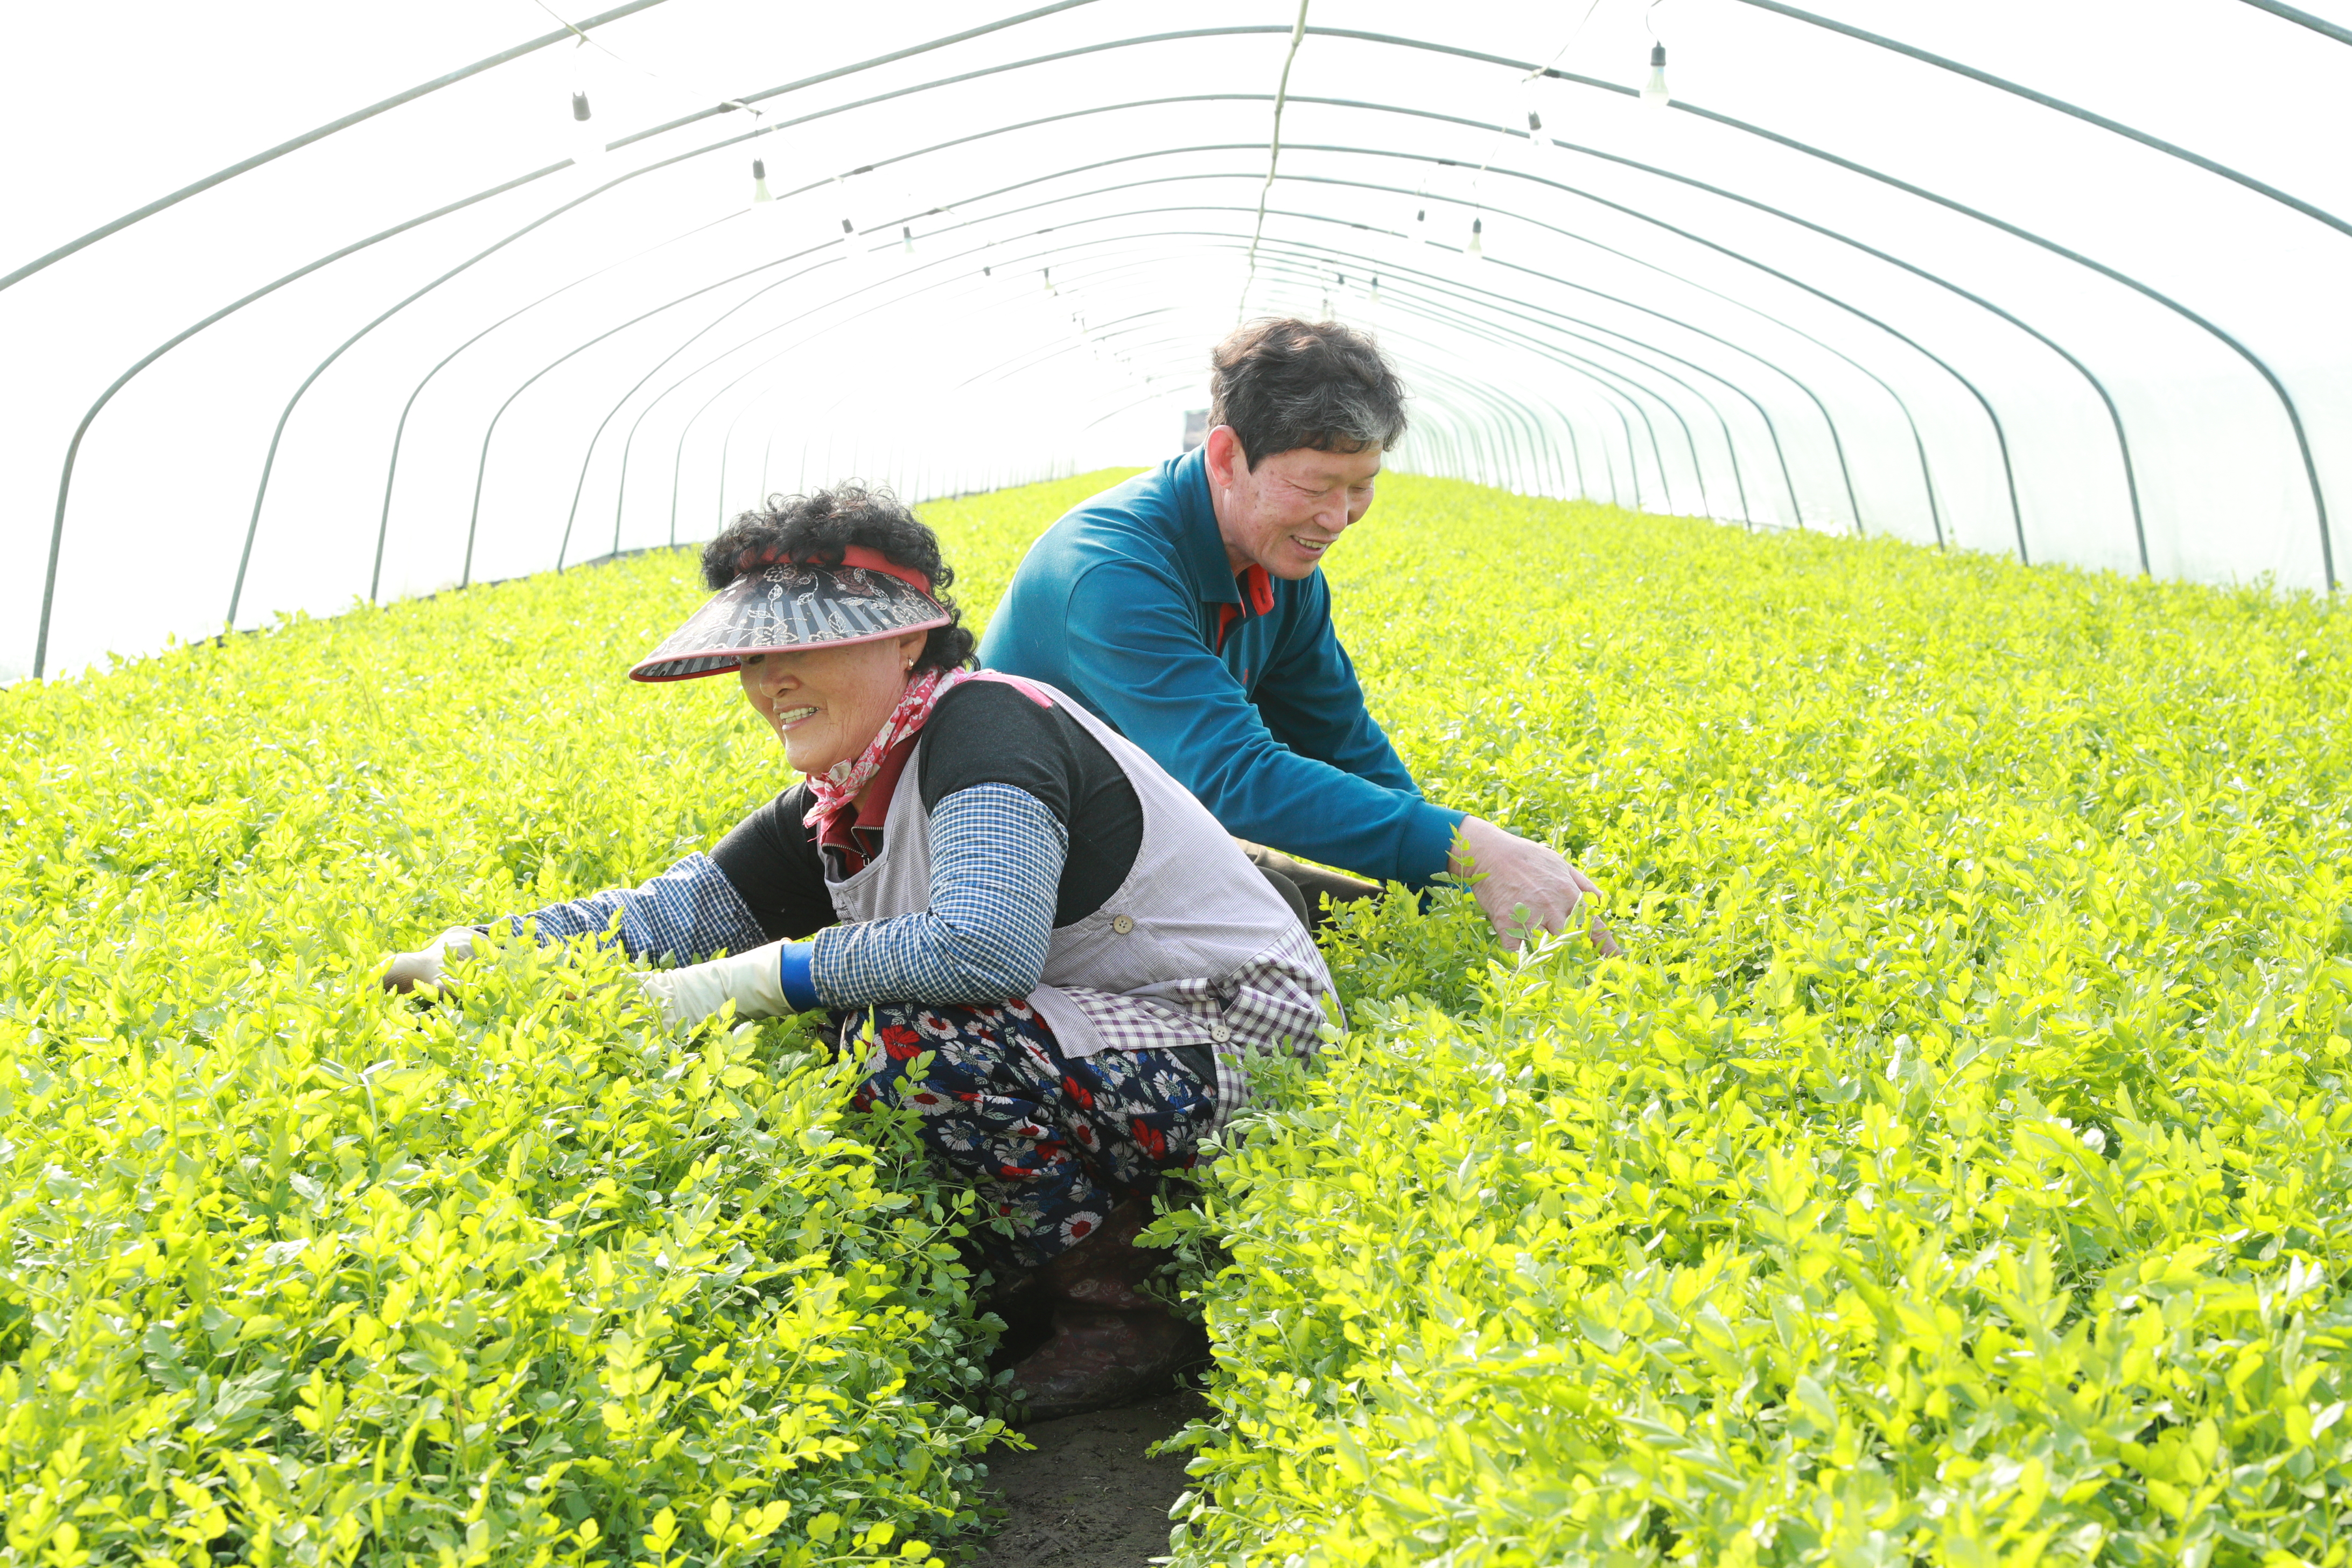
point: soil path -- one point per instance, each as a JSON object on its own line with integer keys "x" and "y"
{"x": 1087, "y": 1494}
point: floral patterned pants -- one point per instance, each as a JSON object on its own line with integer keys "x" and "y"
{"x": 1051, "y": 1142}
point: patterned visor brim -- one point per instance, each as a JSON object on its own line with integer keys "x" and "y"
{"x": 783, "y": 607}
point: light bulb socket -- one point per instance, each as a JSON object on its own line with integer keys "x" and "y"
{"x": 1657, "y": 56}
{"x": 1535, "y": 123}
{"x": 759, "y": 169}
{"x": 847, "y": 228}
{"x": 580, "y": 106}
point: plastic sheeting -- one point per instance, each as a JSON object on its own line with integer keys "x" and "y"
{"x": 2065, "y": 281}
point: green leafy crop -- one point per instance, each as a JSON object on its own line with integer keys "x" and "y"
{"x": 298, "y": 1273}
{"x": 1954, "y": 1172}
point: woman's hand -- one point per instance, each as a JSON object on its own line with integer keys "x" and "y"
{"x": 771, "y": 981}
{"x": 407, "y": 970}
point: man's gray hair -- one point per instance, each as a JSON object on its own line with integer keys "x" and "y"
{"x": 1283, "y": 383}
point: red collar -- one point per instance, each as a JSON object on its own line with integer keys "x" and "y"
{"x": 850, "y": 835}
{"x": 1257, "y": 590}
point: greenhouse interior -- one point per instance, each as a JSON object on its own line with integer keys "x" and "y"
{"x": 1805, "y": 834}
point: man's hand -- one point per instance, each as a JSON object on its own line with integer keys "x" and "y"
{"x": 407, "y": 970}
{"x": 1522, "y": 885}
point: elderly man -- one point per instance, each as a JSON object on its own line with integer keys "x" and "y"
{"x": 1187, "y": 609}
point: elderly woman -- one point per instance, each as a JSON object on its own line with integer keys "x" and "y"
{"x": 975, "y": 867}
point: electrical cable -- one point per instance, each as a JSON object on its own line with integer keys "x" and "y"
{"x": 1273, "y": 152}
{"x": 271, "y": 154}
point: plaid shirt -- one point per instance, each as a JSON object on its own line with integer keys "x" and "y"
{"x": 1273, "y": 1004}
{"x": 996, "y": 871}
{"x": 997, "y": 857}
{"x": 686, "y": 914}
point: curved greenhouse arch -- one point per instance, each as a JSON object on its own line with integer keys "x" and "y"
{"x": 1651, "y": 244}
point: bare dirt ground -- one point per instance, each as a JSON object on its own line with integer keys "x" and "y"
{"x": 1087, "y": 1495}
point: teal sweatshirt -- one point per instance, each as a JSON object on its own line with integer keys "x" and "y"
{"x": 1238, "y": 687}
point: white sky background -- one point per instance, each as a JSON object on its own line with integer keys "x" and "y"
{"x": 1625, "y": 327}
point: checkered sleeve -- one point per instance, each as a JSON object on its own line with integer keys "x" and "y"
{"x": 996, "y": 870}
{"x": 1272, "y": 1005}
{"x": 689, "y": 913}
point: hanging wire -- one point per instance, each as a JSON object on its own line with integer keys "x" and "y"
{"x": 272, "y": 153}
{"x": 1537, "y": 133}
{"x": 726, "y": 105}
{"x": 596, "y": 43}
{"x": 1573, "y": 34}
{"x": 1273, "y": 157}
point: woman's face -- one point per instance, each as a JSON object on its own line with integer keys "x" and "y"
{"x": 826, "y": 703}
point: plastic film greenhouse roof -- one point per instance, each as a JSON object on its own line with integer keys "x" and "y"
{"x": 309, "y": 304}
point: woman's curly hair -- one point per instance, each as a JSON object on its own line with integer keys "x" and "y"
{"x": 819, "y": 528}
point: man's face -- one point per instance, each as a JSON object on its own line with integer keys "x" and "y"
{"x": 1284, "y": 515}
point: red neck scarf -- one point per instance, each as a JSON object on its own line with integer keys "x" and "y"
{"x": 831, "y": 790}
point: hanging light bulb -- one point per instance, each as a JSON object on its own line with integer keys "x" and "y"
{"x": 1654, "y": 93}
{"x": 760, "y": 192}
{"x": 1476, "y": 248}
{"x": 843, "y": 204}
{"x": 1049, "y": 282}
{"x": 906, "y": 240}
{"x": 587, "y": 136}
{"x": 1376, "y": 289}
{"x": 1544, "y": 108}
{"x": 857, "y": 259}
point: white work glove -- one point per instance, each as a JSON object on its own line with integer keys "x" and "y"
{"x": 407, "y": 970}
{"x": 769, "y": 982}
{"x": 1524, "y": 888}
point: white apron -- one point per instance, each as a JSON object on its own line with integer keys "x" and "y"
{"x": 1192, "y": 907}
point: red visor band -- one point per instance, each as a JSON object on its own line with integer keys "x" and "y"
{"x": 854, "y": 555}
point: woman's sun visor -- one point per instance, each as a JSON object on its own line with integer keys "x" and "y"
{"x": 786, "y": 605}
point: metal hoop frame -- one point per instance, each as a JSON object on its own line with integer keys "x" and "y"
{"x": 2101, "y": 268}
